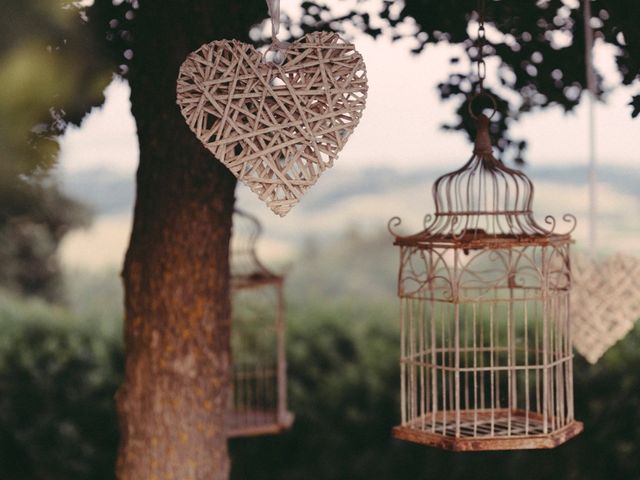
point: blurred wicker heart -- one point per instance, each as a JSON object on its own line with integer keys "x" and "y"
{"x": 605, "y": 302}
{"x": 276, "y": 127}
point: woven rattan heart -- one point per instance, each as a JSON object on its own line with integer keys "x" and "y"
{"x": 605, "y": 302}
{"x": 277, "y": 128}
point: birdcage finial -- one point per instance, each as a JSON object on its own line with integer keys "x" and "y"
{"x": 484, "y": 199}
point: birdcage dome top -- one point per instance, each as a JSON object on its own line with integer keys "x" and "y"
{"x": 482, "y": 203}
{"x": 246, "y": 268}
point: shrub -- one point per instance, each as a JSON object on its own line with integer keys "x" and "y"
{"x": 57, "y": 382}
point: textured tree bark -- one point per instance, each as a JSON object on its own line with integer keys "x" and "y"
{"x": 173, "y": 398}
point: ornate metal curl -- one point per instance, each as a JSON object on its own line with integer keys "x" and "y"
{"x": 393, "y": 223}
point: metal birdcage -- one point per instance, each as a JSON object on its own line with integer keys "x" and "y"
{"x": 258, "y": 400}
{"x": 486, "y": 358}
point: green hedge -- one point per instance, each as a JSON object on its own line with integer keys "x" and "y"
{"x": 344, "y": 389}
{"x": 58, "y": 375}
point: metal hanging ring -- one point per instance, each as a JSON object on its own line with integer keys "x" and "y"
{"x": 478, "y": 95}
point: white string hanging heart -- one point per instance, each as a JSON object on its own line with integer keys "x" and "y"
{"x": 275, "y": 121}
{"x": 605, "y": 298}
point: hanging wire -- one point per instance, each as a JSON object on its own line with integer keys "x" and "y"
{"x": 480, "y": 43}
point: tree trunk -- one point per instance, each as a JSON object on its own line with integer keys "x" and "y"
{"x": 176, "y": 274}
{"x": 172, "y": 402}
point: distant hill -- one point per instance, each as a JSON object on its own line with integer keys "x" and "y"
{"x": 364, "y": 200}
{"x": 106, "y": 191}
{"x": 109, "y": 192}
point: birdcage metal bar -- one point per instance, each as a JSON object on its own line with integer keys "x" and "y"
{"x": 283, "y": 413}
{"x": 502, "y": 347}
{"x": 258, "y": 397}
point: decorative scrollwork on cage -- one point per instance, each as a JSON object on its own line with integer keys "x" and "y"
{"x": 258, "y": 396}
{"x": 486, "y": 358}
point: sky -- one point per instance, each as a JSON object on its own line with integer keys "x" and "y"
{"x": 400, "y": 128}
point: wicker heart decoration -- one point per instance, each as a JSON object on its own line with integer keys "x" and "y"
{"x": 276, "y": 127}
{"x": 605, "y": 302}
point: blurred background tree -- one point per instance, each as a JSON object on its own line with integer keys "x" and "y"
{"x": 34, "y": 217}
{"x": 52, "y": 73}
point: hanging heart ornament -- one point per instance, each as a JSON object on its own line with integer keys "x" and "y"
{"x": 277, "y": 127}
{"x": 605, "y": 302}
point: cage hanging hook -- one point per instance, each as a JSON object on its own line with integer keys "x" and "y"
{"x": 477, "y": 95}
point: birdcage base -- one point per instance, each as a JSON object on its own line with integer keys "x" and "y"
{"x": 486, "y": 430}
{"x": 255, "y": 423}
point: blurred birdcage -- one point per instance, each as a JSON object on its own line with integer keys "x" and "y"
{"x": 258, "y": 399}
{"x": 486, "y": 358}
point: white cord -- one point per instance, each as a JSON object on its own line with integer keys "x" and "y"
{"x": 276, "y": 53}
{"x": 274, "y": 13}
{"x": 591, "y": 87}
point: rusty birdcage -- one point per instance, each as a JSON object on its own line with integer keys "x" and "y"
{"x": 258, "y": 400}
{"x": 486, "y": 358}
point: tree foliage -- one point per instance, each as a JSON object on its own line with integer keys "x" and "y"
{"x": 34, "y": 217}
{"x": 52, "y": 73}
{"x": 535, "y": 51}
